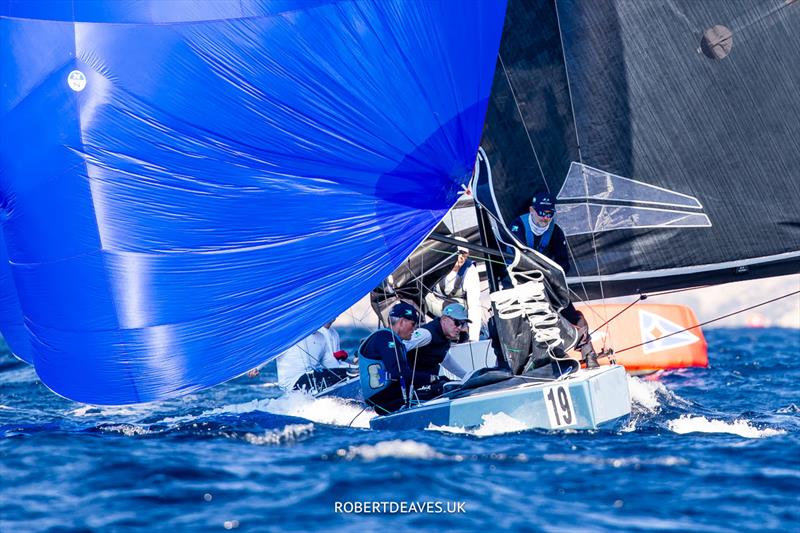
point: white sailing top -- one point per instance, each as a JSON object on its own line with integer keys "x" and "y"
{"x": 472, "y": 290}
{"x": 313, "y": 352}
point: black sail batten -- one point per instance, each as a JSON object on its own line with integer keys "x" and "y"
{"x": 671, "y": 134}
{"x": 432, "y": 260}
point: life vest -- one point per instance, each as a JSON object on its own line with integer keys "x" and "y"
{"x": 372, "y": 373}
{"x": 530, "y": 237}
{"x": 458, "y": 286}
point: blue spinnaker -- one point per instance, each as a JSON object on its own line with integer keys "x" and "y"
{"x": 187, "y": 188}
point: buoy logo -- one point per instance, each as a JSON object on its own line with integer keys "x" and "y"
{"x": 654, "y": 330}
{"x": 76, "y": 80}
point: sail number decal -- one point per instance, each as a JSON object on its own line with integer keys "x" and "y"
{"x": 559, "y": 406}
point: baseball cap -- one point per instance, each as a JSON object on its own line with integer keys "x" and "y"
{"x": 544, "y": 204}
{"x": 405, "y": 310}
{"x": 462, "y": 248}
{"x": 456, "y": 311}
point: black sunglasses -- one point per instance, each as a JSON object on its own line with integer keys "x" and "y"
{"x": 459, "y": 323}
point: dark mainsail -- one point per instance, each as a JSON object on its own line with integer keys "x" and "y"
{"x": 669, "y": 130}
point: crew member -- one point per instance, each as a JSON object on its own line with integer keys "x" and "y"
{"x": 460, "y": 285}
{"x": 383, "y": 367}
{"x": 429, "y": 346}
{"x": 539, "y": 232}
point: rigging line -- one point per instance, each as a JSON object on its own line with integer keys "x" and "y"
{"x": 710, "y": 321}
{"x": 359, "y": 414}
{"x": 406, "y": 395}
{"x": 580, "y": 155}
{"x": 639, "y": 299}
{"x": 476, "y": 258}
{"x": 416, "y": 353}
{"x": 522, "y": 120}
{"x": 683, "y": 289}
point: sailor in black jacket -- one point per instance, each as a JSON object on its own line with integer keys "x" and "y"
{"x": 384, "y": 371}
{"x": 429, "y": 346}
{"x": 537, "y": 230}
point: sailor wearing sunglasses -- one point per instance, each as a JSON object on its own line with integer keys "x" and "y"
{"x": 429, "y": 345}
{"x": 538, "y": 231}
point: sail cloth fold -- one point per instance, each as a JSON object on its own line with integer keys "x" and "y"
{"x": 188, "y": 188}
{"x": 669, "y": 130}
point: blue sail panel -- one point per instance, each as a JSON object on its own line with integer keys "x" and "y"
{"x": 12, "y": 325}
{"x": 184, "y": 197}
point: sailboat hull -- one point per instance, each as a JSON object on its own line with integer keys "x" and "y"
{"x": 591, "y": 399}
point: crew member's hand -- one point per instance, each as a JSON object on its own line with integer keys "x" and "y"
{"x": 583, "y": 330}
{"x": 253, "y": 373}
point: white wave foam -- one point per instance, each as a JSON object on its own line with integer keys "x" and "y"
{"x": 493, "y": 424}
{"x": 236, "y": 408}
{"x": 616, "y": 462}
{"x": 399, "y": 449}
{"x": 700, "y": 424}
{"x": 789, "y": 409}
{"x": 129, "y": 430}
{"x": 290, "y": 433}
{"x": 328, "y": 410}
{"x": 645, "y": 394}
{"x": 110, "y": 411}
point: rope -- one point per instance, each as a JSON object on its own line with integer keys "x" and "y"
{"x": 528, "y": 298}
{"x": 641, "y": 297}
{"x": 541, "y": 170}
{"x": 359, "y": 414}
{"x": 710, "y": 321}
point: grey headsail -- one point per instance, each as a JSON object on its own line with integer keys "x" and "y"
{"x": 432, "y": 259}
{"x": 669, "y": 130}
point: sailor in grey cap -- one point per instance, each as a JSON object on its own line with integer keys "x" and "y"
{"x": 429, "y": 345}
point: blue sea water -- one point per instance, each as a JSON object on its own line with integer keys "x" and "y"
{"x": 714, "y": 449}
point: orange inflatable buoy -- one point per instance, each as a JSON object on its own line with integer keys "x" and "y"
{"x": 658, "y": 325}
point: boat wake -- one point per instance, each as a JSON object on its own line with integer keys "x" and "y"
{"x": 332, "y": 411}
{"x": 654, "y": 403}
{"x": 493, "y": 424}
{"x": 328, "y": 410}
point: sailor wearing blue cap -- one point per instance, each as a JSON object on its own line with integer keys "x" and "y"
{"x": 537, "y": 230}
{"x": 382, "y": 364}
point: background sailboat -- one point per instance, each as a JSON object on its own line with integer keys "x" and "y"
{"x": 670, "y": 133}
{"x": 666, "y": 143}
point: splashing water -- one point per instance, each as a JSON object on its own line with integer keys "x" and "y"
{"x": 327, "y": 410}
{"x": 493, "y": 424}
{"x": 645, "y": 395}
{"x": 700, "y": 424}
